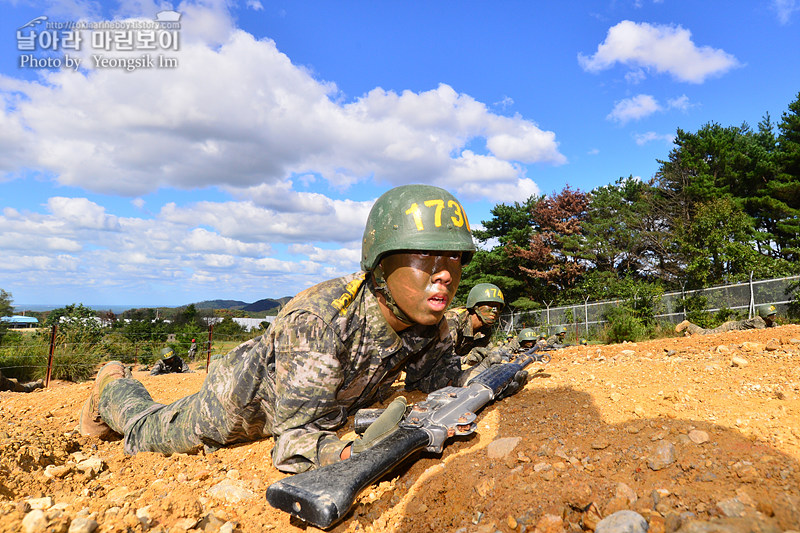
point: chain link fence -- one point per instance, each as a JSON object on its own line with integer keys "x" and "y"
{"x": 741, "y": 298}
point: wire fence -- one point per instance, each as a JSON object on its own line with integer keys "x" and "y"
{"x": 38, "y": 352}
{"x": 56, "y": 353}
{"x": 583, "y": 319}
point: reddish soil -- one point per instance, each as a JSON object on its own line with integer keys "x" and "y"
{"x": 591, "y": 426}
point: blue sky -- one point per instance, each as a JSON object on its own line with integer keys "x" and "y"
{"x": 245, "y": 165}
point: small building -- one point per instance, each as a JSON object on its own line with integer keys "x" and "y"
{"x": 19, "y": 321}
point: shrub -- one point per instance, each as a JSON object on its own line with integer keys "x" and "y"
{"x": 623, "y": 325}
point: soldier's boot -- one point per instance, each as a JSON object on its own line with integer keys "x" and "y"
{"x": 682, "y": 326}
{"x": 90, "y": 422}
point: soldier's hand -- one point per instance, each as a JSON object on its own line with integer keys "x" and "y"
{"x": 384, "y": 425}
{"x": 513, "y": 386}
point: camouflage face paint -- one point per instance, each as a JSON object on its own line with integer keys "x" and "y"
{"x": 488, "y": 313}
{"x": 423, "y": 283}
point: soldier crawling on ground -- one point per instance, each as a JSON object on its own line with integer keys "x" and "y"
{"x": 471, "y": 325}
{"x": 556, "y": 340}
{"x": 506, "y": 352}
{"x": 170, "y": 363}
{"x": 765, "y": 318}
{"x": 11, "y": 384}
{"x": 333, "y": 349}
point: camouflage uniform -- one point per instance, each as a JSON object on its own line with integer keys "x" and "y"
{"x": 170, "y": 365}
{"x": 732, "y": 325}
{"x": 329, "y": 353}
{"x": 554, "y": 342}
{"x": 8, "y": 384}
{"x": 471, "y": 346}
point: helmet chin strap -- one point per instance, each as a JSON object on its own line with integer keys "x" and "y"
{"x": 382, "y": 288}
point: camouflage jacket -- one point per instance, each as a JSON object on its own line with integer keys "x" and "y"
{"x": 168, "y": 366}
{"x": 553, "y": 342}
{"x": 464, "y": 338}
{"x": 330, "y": 352}
{"x": 733, "y": 325}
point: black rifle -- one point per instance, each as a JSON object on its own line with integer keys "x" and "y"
{"x": 323, "y": 496}
{"x": 536, "y": 352}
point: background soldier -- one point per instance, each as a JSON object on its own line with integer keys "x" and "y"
{"x": 169, "y": 363}
{"x": 333, "y": 349}
{"x": 523, "y": 342}
{"x": 193, "y": 350}
{"x": 765, "y": 318}
{"x": 556, "y": 341}
{"x": 471, "y": 325}
{"x": 11, "y": 384}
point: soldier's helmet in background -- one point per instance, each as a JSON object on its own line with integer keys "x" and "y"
{"x": 766, "y": 310}
{"x": 485, "y": 293}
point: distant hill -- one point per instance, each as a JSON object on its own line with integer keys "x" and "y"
{"x": 221, "y": 304}
{"x": 259, "y": 306}
{"x": 266, "y": 304}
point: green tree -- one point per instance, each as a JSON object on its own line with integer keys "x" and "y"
{"x": 555, "y": 253}
{"x": 510, "y": 225}
{"x": 77, "y": 324}
{"x": 785, "y": 189}
{"x": 78, "y": 341}
{"x": 719, "y": 244}
{"x": 144, "y": 330}
{"x": 6, "y": 309}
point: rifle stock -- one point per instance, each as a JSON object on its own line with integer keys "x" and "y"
{"x": 323, "y": 496}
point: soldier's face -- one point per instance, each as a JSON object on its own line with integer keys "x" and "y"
{"x": 488, "y": 313}
{"x": 423, "y": 283}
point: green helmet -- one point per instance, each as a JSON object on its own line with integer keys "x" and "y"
{"x": 527, "y": 334}
{"x": 415, "y": 217}
{"x": 483, "y": 293}
{"x": 166, "y": 353}
{"x": 559, "y": 330}
{"x": 765, "y": 310}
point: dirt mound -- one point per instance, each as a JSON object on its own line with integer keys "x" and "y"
{"x": 688, "y": 428}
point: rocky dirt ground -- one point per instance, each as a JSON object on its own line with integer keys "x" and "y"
{"x": 693, "y": 433}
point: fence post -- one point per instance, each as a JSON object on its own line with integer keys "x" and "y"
{"x": 50, "y": 357}
{"x": 683, "y": 298}
{"x": 208, "y": 351}
{"x": 575, "y": 318}
{"x": 586, "y": 316}
{"x": 752, "y": 307}
{"x": 548, "y": 315}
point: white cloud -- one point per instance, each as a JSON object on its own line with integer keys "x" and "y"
{"x": 250, "y": 222}
{"x": 663, "y": 48}
{"x": 237, "y": 116}
{"x": 651, "y": 136}
{"x": 635, "y": 76}
{"x": 82, "y": 213}
{"x": 255, "y": 5}
{"x": 635, "y": 108}
{"x": 785, "y": 9}
{"x": 242, "y": 115}
{"x": 506, "y": 102}
{"x": 681, "y": 102}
